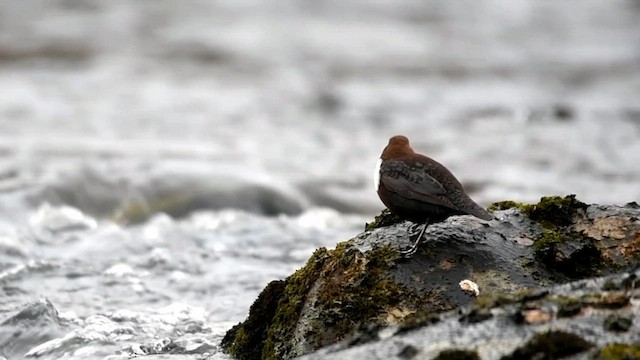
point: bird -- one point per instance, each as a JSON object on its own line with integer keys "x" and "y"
{"x": 419, "y": 189}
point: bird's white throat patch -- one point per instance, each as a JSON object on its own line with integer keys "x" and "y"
{"x": 376, "y": 175}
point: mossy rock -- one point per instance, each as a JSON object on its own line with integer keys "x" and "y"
{"x": 618, "y": 351}
{"x": 617, "y": 323}
{"x": 556, "y": 210}
{"x": 550, "y": 211}
{"x": 366, "y": 284}
{"x": 560, "y": 246}
{"x": 248, "y": 344}
{"x": 569, "y": 253}
{"x": 386, "y": 218}
{"x": 346, "y": 287}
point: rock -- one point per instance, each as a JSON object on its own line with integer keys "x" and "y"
{"x": 363, "y": 298}
{"x": 618, "y": 352}
{"x": 550, "y": 345}
{"x": 617, "y": 323}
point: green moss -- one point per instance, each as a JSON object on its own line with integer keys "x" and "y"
{"x": 386, "y": 218}
{"x": 245, "y": 340}
{"x": 610, "y": 285}
{"x": 457, "y": 355}
{"x": 294, "y": 296}
{"x": 548, "y": 240}
{"x": 550, "y": 345}
{"x": 279, "y": 303}
{"x": 509, "y": 204}
{"x": 550, "y": 211}
{"x": 567, "y": 306}
{"x": 350, "y": 291}
{"x": 569, "y": 253}
{"x": 355, "y": 292}
{"x": 555, "y": 210}
{"x": 492, "y": 300}
{"x": 618, "y": 352}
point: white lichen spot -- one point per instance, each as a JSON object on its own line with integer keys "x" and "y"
{"x": 470, "y": 286}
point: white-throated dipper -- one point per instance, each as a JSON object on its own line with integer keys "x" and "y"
{"x": 420, "y": 189}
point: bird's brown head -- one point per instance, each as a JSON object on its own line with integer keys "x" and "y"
{"x": 397, "y": 147}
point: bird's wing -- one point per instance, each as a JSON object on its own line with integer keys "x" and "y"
{"x": 412, "y": 181}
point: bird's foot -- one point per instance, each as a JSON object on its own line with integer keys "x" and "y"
{"x": 412, "y": 231}
{"x": 410, "y": 251}
{"x": 414, "y": 247}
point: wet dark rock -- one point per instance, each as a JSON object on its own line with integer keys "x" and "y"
{"x": 364, "y": 297}
{"x": 408, "y": 352}
{"x": 617, "y": 323}
{"x": 476, "y": 316}
{"x": 457, "y": 355}
{"x": 550, "y": 345}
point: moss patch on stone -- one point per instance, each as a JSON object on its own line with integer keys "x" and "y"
{"x": 569, "y": 253}
{"x": 550, "y": 211}
{"x": 550, "y": 345}
{"x": 490, "y": 301}
{"x": 561, "y": 249}
{"x": 386, "y": 218}
{"x": 567, "y": 306}
{"x": 294, "y": 296}
{"x": 618, "y": 352}
{"x": 349, "y": 290}
{"x": 555, "y": 210}
{"x": 509, "y": 204}
{"x": 254, "y": 338}
{"x": 245, "y": 340}
{"x": 354, "y": 292}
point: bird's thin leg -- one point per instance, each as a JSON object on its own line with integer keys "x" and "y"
{"x": 412, "y": 250}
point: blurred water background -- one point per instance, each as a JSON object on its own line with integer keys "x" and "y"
{"x": 162, "y": 161}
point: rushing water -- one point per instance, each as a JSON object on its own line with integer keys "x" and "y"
{"x": 162, "y": 161}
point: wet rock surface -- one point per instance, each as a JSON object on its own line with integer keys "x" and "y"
{"x": 555, "y": 278}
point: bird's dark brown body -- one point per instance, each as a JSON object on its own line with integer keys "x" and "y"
{"x": 418, "y": 188}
